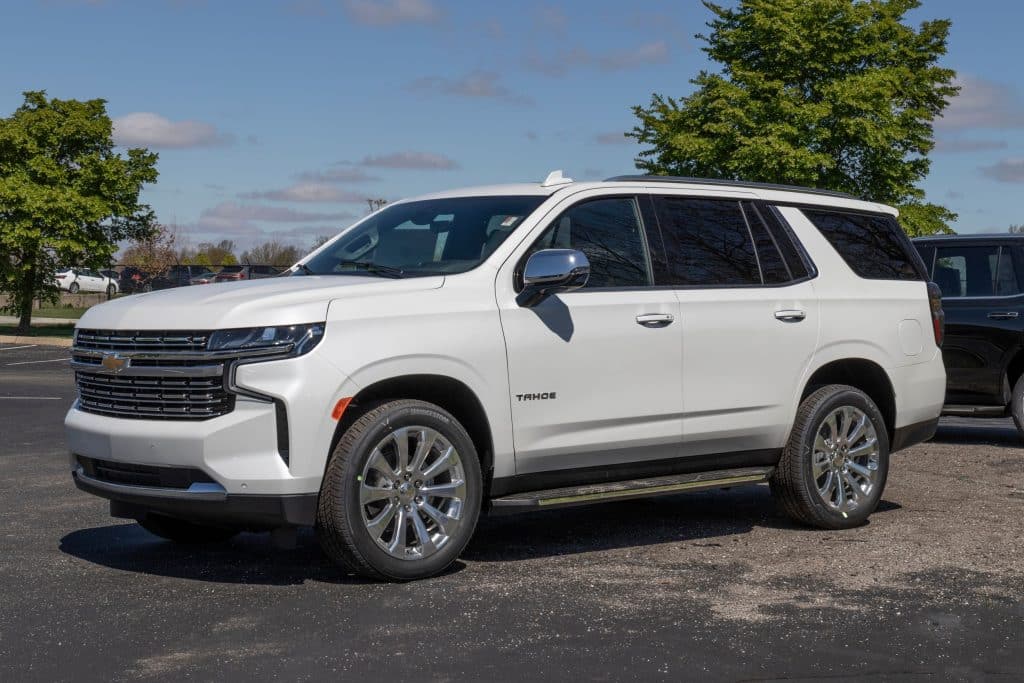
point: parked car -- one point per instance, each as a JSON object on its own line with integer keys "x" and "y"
{"x": 204, "y": 278}
{"x": 246, "y": 272}
{"x": 134, "y": 280}
{"x": 75, "y": 280}
{"x": 519, "y": 347}
{"x": 182, "y": 275}
{"x": 983, "y": 295}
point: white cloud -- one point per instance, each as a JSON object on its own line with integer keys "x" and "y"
{"x": 337, "y": 175}
{"x": 615, "y": 60}
{"x": 1006, "y": 171}
{"x": 308, "y": 192}
{"x": 391, "y": 12}
{"x": 415, "y": 160}
{"x": 483, "y": 84}
{"x": 983, "y": 104}
{"x": 146, "y": 129}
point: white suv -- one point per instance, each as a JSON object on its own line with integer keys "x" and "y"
{"x": 521, "y": 347}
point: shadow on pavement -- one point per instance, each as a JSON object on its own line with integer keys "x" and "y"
{"x": 251, "y": 559}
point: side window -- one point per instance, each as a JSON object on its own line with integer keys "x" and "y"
{"x": 706, "y": 242}
{"x": 608, "y": 231}
{"x": 874, "y": 246}
{"x": 773, "y": 268}
{"x": 975, "y": 271}
{"x": 800, "y": 265}
{"x": 927, "y": 253}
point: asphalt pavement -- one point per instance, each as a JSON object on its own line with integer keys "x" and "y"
{"x": 715, "y": 585}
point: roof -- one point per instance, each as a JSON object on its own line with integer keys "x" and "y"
{"x": 987, "y": 236}
{"x": 782, "y": 194}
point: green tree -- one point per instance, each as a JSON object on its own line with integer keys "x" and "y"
{"x": 837, "y": 94}
{"x": 272, "y": 253}
{"x": 66, "y": 198}
{"x": 209, "y": 254}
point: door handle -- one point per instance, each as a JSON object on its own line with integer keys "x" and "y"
{"x": 791, "y": 316}
{"x": 1003, "y": 315}
{"x": 655, "y": 319}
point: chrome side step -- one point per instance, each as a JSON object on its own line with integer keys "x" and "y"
{"x": 974, "y": 411}
{"x": 634, "y": 488}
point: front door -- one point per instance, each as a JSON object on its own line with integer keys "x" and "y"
{"x": 984, "y": 310}
{"x": 595, "y": 374}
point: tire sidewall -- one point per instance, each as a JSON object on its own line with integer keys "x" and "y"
{"x": 360, "y": 451}
{"x": 857, "y": 399}
{"x": 1017, "y": 404}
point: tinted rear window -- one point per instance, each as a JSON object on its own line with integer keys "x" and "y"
{"x": 873, "y": 245}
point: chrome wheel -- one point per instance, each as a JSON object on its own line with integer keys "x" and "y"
{"x": 845, "y": 459}
{"x": 412, "y": 492}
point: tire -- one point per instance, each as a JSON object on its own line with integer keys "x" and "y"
{"x": 111, "y": 291}
{"x": 1017, "y": 404}
{"x": 816, "y": 482}
{"x": 364, "y": 463}
{"x": 180, "y": 531}
{"x": 73, "y": 288}
{"x": 148, "y": 287}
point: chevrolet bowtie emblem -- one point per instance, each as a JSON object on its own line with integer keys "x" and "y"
{"x": 115, "y": 363}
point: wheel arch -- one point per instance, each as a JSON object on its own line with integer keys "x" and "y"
{"x": 864, "y": 374}
{"x": 449, "y": 393}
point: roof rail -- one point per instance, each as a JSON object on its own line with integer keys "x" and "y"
{"x": 725, "y": 183}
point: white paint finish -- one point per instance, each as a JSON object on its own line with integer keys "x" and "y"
{"x": 726, "y": 375}
{"x": 742, "y": 366}
{"x": 616, "y": 381}
{"x": 911, "y": 337}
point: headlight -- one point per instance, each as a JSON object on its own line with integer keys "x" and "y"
{"x": 302, "y": 338}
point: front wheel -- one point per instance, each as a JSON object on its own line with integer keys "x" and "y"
{"x": 180, "y": 531}
{"x": 834, "y": 467}
{"x": 401, "y": 495}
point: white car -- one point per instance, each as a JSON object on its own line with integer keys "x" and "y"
{"x": 77, "y": 280}
{"x": 519, "y": 347}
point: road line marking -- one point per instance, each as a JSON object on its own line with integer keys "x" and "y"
{"x": 29, "y": 362}
{"x": 15, "y": 348}
{"x": 30, "y": 398}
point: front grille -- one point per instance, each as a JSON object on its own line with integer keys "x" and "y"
{"x": 148, "y": 398}
{"x": 157, "y": 385}
{"x": 142, "y": 475}
{"x": 127, "y": 340}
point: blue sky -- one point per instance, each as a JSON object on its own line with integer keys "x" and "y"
{"x": 277, "y": 119}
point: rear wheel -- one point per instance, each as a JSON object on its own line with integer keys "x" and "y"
{"x": 834, "y": 467}
{"x": 73, "y": 288}
{"x": 111, "y": 290}
{"x": 1017, "y": 404}
{"x": 401, "y": 495}
{"x": 180, "y": 531}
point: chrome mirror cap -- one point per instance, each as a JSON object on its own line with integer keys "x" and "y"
{"x": 551, "y": 271}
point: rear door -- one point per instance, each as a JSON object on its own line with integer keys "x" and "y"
{"x": 981, "y": 294}
{"x": 749, "y": 323}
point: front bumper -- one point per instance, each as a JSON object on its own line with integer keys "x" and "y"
{"x": 202, "y": 503}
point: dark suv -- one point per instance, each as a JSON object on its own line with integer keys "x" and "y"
{"x": 982, "y": 283}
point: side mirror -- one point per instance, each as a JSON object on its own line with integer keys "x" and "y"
{"x": 551, "y": 271}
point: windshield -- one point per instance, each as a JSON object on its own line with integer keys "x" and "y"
{"x": 429, "y": 237}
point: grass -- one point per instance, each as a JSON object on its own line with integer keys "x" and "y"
{"x": 63, "y": 330}
{"x": 68, "y": 312}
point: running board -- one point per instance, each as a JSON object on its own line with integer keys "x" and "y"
{"x": 974, "y": 411}
{"x": 634, "y": 488}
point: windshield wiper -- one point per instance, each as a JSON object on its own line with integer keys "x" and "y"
{"x": 305, "y": 269}
{"x": 375, "y": 268}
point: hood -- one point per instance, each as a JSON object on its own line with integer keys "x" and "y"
{"x": 253, "y": 303}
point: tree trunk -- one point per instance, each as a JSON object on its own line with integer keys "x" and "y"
{"x": 25, "y": 301}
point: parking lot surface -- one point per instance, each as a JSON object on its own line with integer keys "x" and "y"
{"x": 715, "y": 585}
